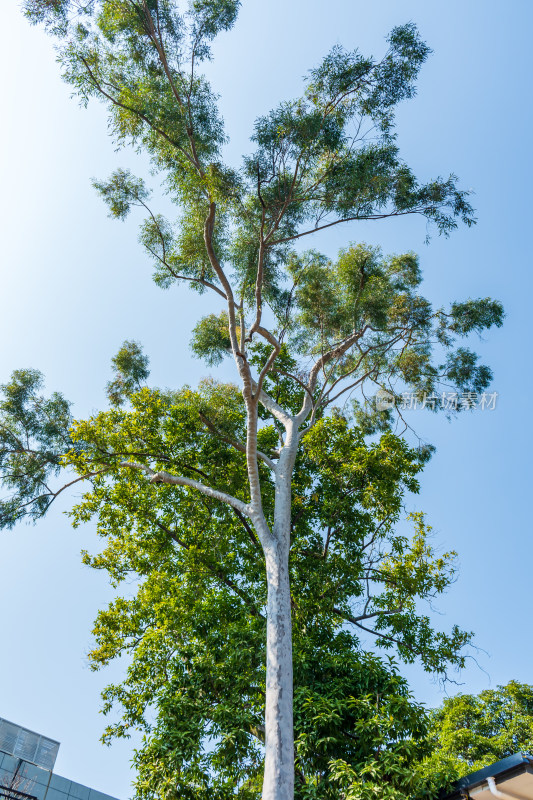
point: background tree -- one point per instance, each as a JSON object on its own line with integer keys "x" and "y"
{"x": 291, "y": 319}
{"x": 471, "y": 731}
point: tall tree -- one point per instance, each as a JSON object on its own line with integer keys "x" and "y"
{"x": 303, "y": 329}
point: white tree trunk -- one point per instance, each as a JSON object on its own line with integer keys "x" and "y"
{"x": 278, "y": 783}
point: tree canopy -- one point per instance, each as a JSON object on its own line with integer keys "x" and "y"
{"x": 258, "y": 520}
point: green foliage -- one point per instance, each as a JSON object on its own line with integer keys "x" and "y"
{"x": 467, "y": 733}
{"x": 353, "y": 714}
{"x": 34, "y": 432}
{"x": 210, "y": 339}
{"x": 121, "y": 191}
{"x": 462, "y": 370}
{"x": 475, "y": 315}
{"x": 130, "y": 366}
{"x": 400, "y": 335}
{"x": 194, "y": 628}
{"x": 401, "y": 338}
{"x": 311, "y": 160}
{"x": 481, "y": 729}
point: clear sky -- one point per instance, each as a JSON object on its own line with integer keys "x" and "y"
{"x": 75, "y": 284}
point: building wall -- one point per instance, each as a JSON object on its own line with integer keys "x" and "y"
{"x": 43, "y": 784}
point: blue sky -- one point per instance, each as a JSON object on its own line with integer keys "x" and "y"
{"x": 75, "y": 284}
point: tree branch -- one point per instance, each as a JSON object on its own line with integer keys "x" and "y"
{"x": 380, "y": 635}
{"x": 350, "y": 219}
{"x": 270, "y": 404}
{"x": 134, "y": 111}
{"x": 178, "y": 480}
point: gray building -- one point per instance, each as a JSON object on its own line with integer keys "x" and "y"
{"x": 27, "y": 762}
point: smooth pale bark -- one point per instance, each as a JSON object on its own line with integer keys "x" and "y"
{"x": 278, "y": 782}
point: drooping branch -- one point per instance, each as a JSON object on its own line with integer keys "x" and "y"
{"x": 386, "y": 637}
{"x": 356, "y": 217}
{"x": 325, "y": 397}
{"x": 247, "y": 527}
{"x": 157, "y": 40}
{"x": 98, "y": 84}
{"x": 240, "y": 358}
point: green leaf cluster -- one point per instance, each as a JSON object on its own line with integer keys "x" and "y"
{"x": 130, "y": 366}
{"x": 326, "y": 157}
{"x": 34, "y": 433}
{"x": 469, "y": 732}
